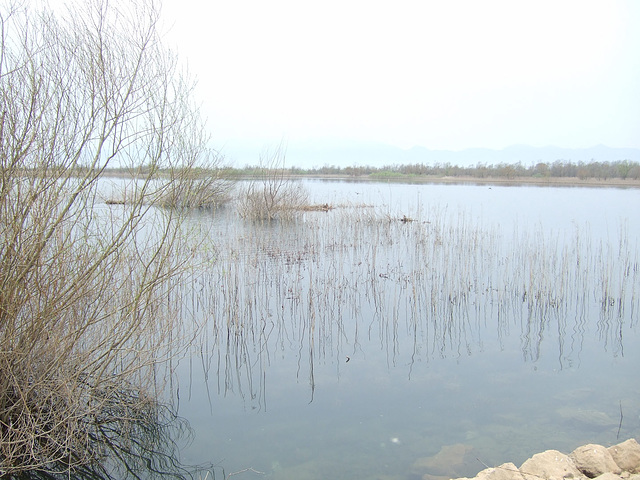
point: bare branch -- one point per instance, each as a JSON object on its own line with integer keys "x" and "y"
{"x": 84, "y": 315}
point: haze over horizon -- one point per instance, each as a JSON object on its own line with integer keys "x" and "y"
{"x": 439, "y": 75}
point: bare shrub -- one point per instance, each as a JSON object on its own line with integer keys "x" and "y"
{"x": 272, "y": 194}
{"x": 85, "y": 310}
{"x": 186, "y": 188}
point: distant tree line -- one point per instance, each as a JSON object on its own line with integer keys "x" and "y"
{"x": 623, "y": 169}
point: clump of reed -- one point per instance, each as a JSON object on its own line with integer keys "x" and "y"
{"x": 271, "y": 194}
{"x": 176, "y": 188}
{"x": 193, "y": 189}
{"x": 272, "y": 199}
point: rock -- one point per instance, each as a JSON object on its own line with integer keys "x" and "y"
{"x": 608, "y": 476}
{"x": 506, "y": 471}
{"x": 594, "y": 460}
{"x": 450, "y": 461}
{"x": 620, "y": 462}
{"x": 552, "y": 465}
{"x": 627, "y": 455}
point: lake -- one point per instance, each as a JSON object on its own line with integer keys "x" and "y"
{"x": 492, "y": 323}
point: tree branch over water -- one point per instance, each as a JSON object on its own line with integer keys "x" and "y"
{"x": 85, "y": 319}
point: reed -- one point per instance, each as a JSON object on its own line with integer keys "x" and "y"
{"x": 324, "y": 286}
{"x": 271, "y": 194}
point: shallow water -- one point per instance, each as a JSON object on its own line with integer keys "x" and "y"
{"x": 350, "y": 344}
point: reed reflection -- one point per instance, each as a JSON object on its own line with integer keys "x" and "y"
{"x": 356, "y": 280}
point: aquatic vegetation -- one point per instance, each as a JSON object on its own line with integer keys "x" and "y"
{"x": 271, "y": 194}
{"x": 333, "y": 278}
{"x": 446, "y": 329}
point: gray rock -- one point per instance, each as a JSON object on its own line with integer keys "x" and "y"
{"x": 627, "y": 455}
{"x": 594, "y": 460}
{"x": 620, "y": 462}
{"x": 608, "y": 476}
{"x": 506, "y": 471}
{"x": 551, "y": 465}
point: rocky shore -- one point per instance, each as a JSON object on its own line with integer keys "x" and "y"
{"x": 620, "y": 461}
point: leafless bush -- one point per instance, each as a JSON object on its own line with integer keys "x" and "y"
{"x": 85, "y": 316}
{"x": 272, "y": 195}
{"x": 194, "y": 189}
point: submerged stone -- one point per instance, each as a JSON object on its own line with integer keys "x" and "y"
{"x": 450, "y": 461}
{"x": 591, "y": 418}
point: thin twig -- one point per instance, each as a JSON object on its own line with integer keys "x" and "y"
{"x": 250, "y": 469}
{"x": 619, "y": 426}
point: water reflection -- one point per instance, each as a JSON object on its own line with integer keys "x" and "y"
{"x": 456, "y": 329}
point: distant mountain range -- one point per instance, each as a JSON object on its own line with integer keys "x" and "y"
{"x": 344, "y": 153}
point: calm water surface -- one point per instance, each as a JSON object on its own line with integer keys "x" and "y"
{"x": 504, "y": 319}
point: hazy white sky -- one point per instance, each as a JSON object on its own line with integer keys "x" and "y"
{"x": 441, "y": 74}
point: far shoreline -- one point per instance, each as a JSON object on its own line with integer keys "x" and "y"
{"x": 452, "y": 180}
{"x": 385, "y": 177}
